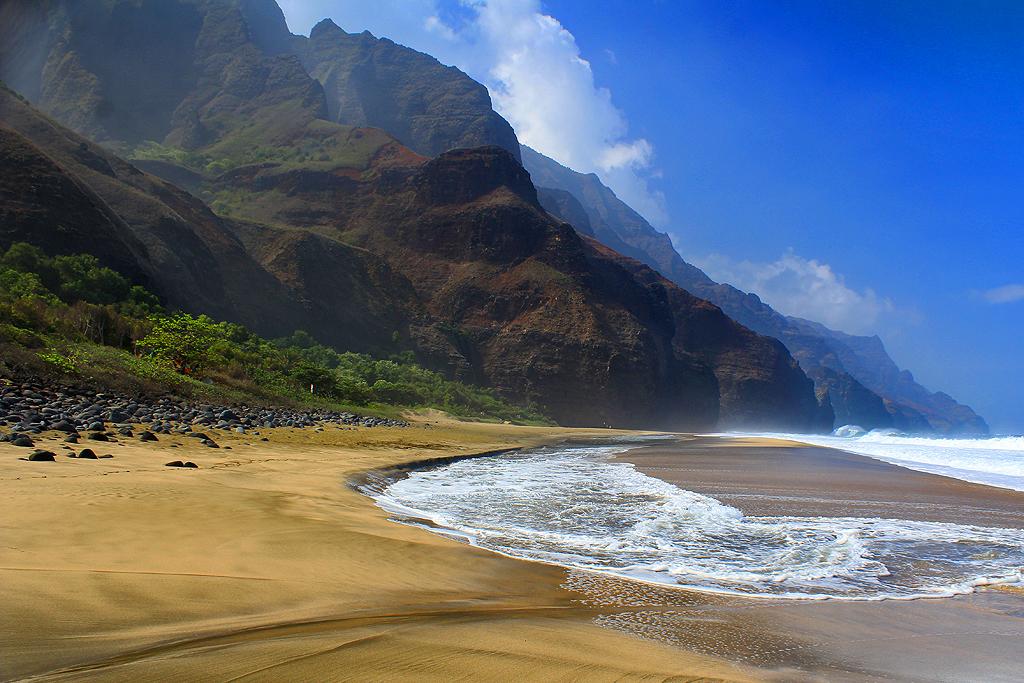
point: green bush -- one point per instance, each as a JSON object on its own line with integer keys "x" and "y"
{"x": 26, "y": 258}
{"x": 21, "y": 285}
{"x": 82, "y": 278}
{"x": 75, "y": 302}
{"x": 184, "y": 342}
{"x": 66, "y": 364}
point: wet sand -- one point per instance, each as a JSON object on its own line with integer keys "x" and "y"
{"x": 975, "y": 637}
{"x": 264, "y": 565}
{"x": 764, "y": 477}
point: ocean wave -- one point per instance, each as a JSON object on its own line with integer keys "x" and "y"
{"x": 575, "y": 508}
{"x": 996, "y": 461}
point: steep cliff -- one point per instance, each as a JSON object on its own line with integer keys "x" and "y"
{"x": 179, "y": 72}
{"x": 846, "y": 369}
{"x": 349, "y": 234}
{"x": 534, "y": 308}
{"x": 66, "y": 194}
{"x": 186, "y": 72}
{"x": 428, "y": 107}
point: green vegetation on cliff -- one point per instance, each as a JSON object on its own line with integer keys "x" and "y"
{"x": 71, "y": 317}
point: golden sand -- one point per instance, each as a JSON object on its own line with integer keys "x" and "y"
{"x": 263, "y": 565}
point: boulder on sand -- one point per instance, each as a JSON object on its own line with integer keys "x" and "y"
{"x": 41, "y": 456}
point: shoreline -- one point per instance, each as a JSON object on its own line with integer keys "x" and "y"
{"x": 264, "y": 563}
{"x": 788, "y": 478}
{"x": 269, "y": 563}
{"x": 964, "y": 637}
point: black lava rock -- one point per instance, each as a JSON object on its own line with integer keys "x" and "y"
{"x": 34, "y": 407}
{"x": 41, "y": 456}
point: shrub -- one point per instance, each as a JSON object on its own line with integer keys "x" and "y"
{"x": 75, "y": 302}
{"x": 26, "y": 258}
{"x": 66, "y": 364}
{"x": 82, "y": 278}
{"x": 181, "y": 340}
{"x": 16, "y": 284}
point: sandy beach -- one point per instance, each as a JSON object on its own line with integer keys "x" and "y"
{"x": 768, "y": 477}
{"x": 972, "y": 637}
{"x": 264, "y": 565}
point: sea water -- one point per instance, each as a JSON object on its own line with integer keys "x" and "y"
{"x": 996, "y": 461}
{"x": 575, "y": 507}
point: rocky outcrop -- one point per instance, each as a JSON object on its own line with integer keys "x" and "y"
{"x": 467, "y": 174}
{"x": 428, "y": 107}
{"x": 852, "y": 402}
{"x": 181, "y": 72}
{"x": 523, "y": 303}
{"x": 564, "y": 206}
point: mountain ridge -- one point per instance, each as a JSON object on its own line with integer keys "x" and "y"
{"x": 293, "y": 186}
{"x": 495, "y": 290}
{"x": 846, "y": 367}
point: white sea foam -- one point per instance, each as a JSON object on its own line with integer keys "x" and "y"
{"x": 997, "y": 461}
{"x": 573, "y": 507}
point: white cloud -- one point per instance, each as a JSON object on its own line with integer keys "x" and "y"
{"x": 433, "y": 24}
{"x": 636, "y": 154}
{"x": 1007, "y": 294}
{"x": 805, "y": 288}
{"x": 533, "y": 68}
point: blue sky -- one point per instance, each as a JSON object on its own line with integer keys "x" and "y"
{"x": 857, "y": 163}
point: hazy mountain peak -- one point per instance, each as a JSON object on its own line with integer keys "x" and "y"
{"x": 847, "y": 369}
{"x": 280, "y": 129}
{"x": 325, "y": 27}
{"x": 429, "y": 107}
{"x": 267, "y": 26}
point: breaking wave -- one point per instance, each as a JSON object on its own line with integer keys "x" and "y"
{"x": 573, "y": 507}
{"x": 996, "y": 461}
